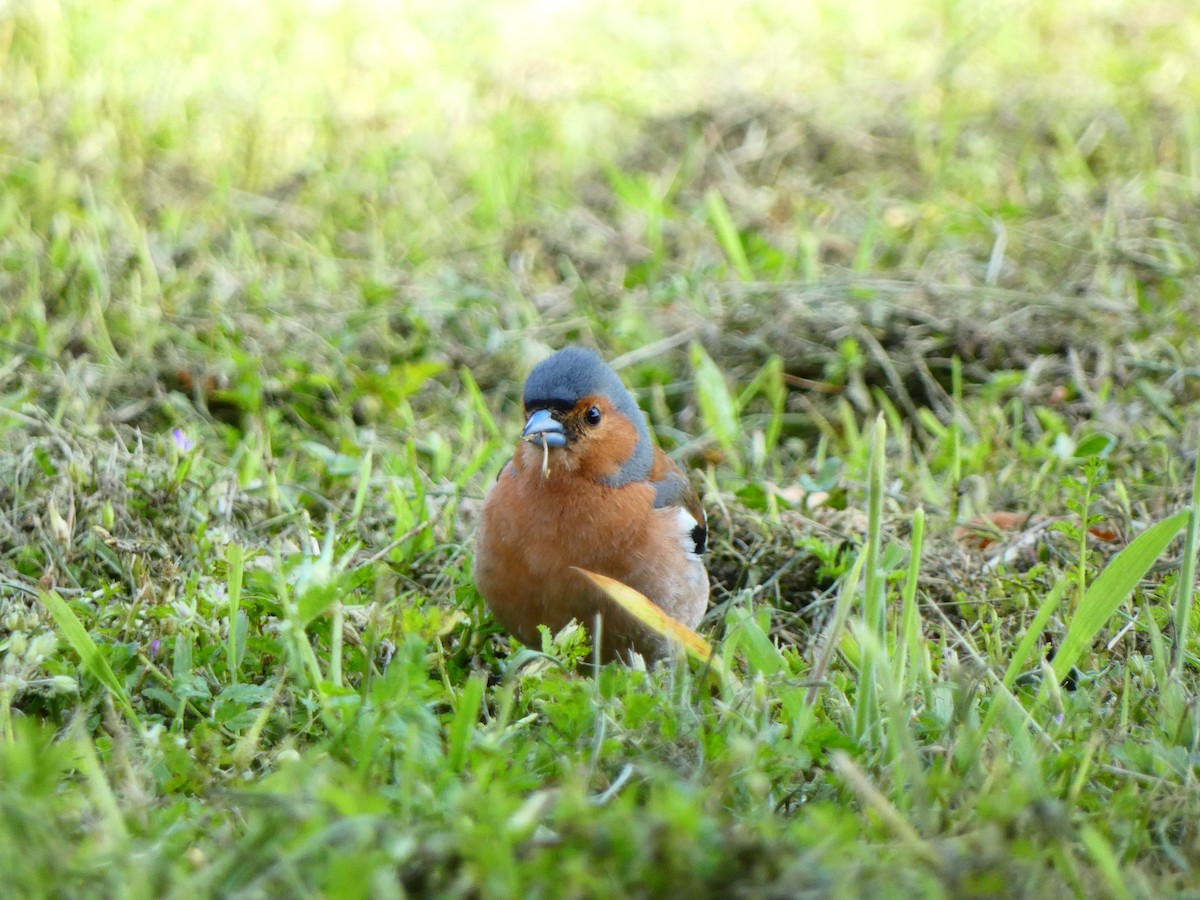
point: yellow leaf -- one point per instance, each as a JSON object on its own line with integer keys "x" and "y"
{"x": 646, "y": 612}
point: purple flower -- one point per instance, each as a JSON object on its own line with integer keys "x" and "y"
{"x": 183, "y": 443}
{"x": 155, "y": 646}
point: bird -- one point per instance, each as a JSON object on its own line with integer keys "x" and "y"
{"x": 587, "y": 489}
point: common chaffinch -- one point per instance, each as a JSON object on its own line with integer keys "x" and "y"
{"x": 587, "y": 488}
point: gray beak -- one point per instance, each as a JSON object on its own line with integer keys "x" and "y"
{"x": 544, "y": 430}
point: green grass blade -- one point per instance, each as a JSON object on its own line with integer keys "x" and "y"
{"x": 1020, "y": 657}
{"x": 1187, "y": 579}
{"x": 103, "y": 796}
{"x": 235, "y": 563}
{"x": 364, "y": 486}
{"x": 761, "y": 654}
{"x": 337, "y": 628}
{"x": 908, "y": 640}
{"x": 874, "y": 608}
{"x": 463, "y": 724}
{"x": 768, "y": 382}
{"x": 478, "y": 405}
{"x": 1106, "y": 861}
{"x": 841, "y": 613}
{"x": 727, "y": 234}
{"x": 1112, "y": 586}
{"x": 874, "y": 653}
{"x": 89, "y": 654}
{"x": 717, "y": 408}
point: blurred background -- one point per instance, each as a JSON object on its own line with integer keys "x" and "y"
{"x": 472, "y": 169}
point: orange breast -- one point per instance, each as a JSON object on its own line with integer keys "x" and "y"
{"x": 533, "y": 529}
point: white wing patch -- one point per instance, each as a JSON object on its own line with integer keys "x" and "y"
{"x": 687, "y": 532}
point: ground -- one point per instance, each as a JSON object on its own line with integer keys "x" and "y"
{"x": 913, "y": 289}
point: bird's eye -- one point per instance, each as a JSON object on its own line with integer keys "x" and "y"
{"x": 592, "y": 416}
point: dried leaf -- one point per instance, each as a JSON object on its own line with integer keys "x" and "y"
{"x": 650, "y": 615}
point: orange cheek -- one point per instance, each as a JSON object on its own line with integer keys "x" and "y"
{"x": 608, "y": 450}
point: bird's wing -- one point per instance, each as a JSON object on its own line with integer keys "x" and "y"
{"x": 673, "y": 489}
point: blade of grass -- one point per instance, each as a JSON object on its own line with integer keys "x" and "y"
{"x": 872, "y": 799}
{"x": 908, "y": 640}
{"x": 91, "y": 657}
{"x": 866, "y": 703}
{"x": 6, "y": 722}
{"x": 954, "y": 436}
{"x": 841, "y": 613}
{"x": 102, "y": 792}
{"x": 762, "y": 655}
{"x": 909, "y": 792}
{"x": 235, "y": 563}
{"x": 1106, "y": 861}
{"x": 478, "y": 405}
{"x": 727, "y": 234}
{"x": 874, "y": 608}
{"x": 249, "y": 744}
{"x": 1158, "y": 651}
{"x": 1187, "y": 579}
{"x": 767, "y": 382}
{"x": 364, "y": 484}
{"x": 470, "y": 700}
{"x": 1112, "y": 586}
{"x": 337, "y": 627}
{"x": 1024, "y": 649}
{"x": 717, "y": 408}
{"x": 1022, "y": 655}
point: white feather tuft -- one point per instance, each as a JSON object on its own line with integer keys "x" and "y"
{"x": 687, "y": 528}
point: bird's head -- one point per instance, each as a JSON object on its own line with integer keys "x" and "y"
{"x": 580, "y": 420}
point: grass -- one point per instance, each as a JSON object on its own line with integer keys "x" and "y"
{"x": 271, "y": 279}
